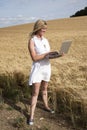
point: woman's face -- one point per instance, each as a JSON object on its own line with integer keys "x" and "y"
{"x": 42, "y": 31}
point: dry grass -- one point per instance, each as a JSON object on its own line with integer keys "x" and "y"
{"x": 69, "y": 73}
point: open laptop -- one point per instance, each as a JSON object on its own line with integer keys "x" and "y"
{"x": 65, "y": 47}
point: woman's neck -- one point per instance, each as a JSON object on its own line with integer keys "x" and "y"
{"x": 39, "y": 36}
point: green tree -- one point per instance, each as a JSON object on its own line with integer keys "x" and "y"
{"x": 82, "y": 12}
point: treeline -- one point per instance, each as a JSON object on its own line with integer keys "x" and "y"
{"x": 82, "y": 12}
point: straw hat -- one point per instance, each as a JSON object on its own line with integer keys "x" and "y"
{"x": 39, "y": 24}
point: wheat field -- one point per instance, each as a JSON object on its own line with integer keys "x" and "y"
{"x": 69, "y": 73}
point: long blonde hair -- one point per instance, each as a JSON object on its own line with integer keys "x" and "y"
{"x": 39, "y": 24}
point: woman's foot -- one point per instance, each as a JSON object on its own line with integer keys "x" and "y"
{"x": 49, "y": 110}
{"x": 31, "y": 122}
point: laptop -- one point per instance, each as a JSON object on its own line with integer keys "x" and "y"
{"x": 65, "y": 47}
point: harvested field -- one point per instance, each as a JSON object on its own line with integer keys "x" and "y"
{"x": 69, "y": 73}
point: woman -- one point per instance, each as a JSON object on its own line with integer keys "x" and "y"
{"x": 39, "y": 48}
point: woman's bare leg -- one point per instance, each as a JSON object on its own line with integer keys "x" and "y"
{"x": 44, "y": 86}
{"x": 35, "y": 93}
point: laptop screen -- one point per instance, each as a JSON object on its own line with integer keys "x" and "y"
{"x": 65, "y": 47}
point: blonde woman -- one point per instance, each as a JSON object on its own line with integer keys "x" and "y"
{"x": 39, "y": 49}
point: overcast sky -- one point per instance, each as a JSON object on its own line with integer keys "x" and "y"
{"x": 13, "y": 12}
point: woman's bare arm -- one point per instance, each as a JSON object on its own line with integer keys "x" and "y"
{"x": 33, "y": 54}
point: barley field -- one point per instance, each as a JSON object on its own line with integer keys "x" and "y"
{"x": 69, "y": 73}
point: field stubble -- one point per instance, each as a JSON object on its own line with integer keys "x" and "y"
{"x": 69, "y": 73}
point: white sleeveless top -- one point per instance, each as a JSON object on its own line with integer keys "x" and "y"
{"x": 41, "y": 70}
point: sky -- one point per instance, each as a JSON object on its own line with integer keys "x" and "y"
{"x": 15, "y": 12}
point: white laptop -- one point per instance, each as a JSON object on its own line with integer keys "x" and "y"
{"x": 65, "y": 47}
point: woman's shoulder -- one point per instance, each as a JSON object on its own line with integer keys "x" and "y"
{"x": 34, "y": 38}
{"x": 31, "y": 39}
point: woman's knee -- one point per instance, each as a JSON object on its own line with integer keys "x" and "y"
{"x": 44, "y": 91}
{"x": 35, "y": 94}
{"x": 35, "y": 90}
